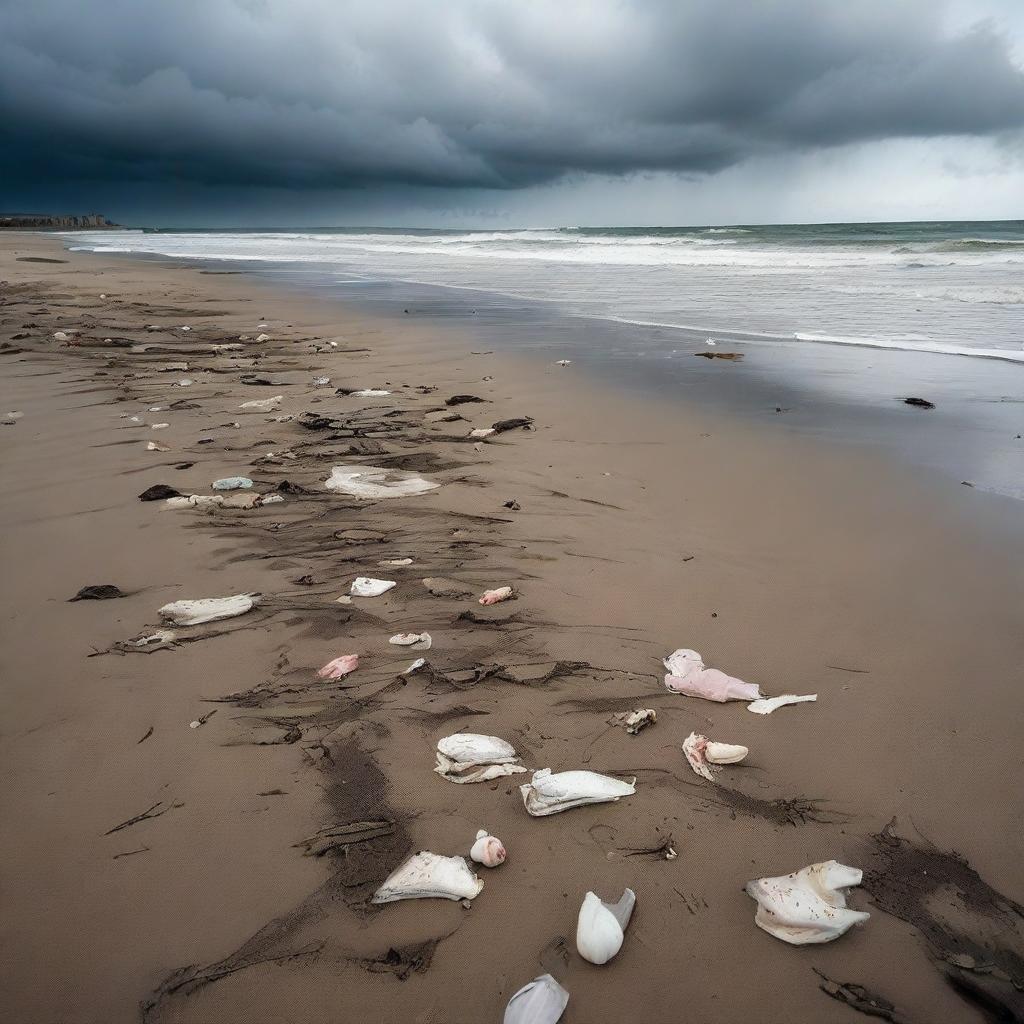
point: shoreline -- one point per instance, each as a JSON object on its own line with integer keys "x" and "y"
{"x": 643, "y": 527}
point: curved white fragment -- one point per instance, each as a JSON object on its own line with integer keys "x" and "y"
{"x": 725, "y": 753}
{"x": 808, "y": 906}
{"x": 548, "y": 793}
{"x": 601, "y": 926}
{"x": 472, "y": 757}
{"x": 704, "y": 755}
{"x": 487, "y": 850}
{"x": 370, "y": 482}
{"x": 263, "y": 404}
{"x": 414, "y": 641}
{"x": 496, "y": 596}
{"x": 207, "y": 609}
{"x": 196, "y": 501}
{"x": 415, "y": 666}
{"x": 365, "y": 586}
{"x": 766, "y": 705}
{"x": 429, "y": 876}
{"x": 542, "y": 1001}
{"x": 688, "y": 675}
{"x": 369, "y": 393}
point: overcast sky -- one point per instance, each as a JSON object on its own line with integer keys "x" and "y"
{"x": 512, "y": 112}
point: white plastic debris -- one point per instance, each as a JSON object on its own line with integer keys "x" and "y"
{"x": 414, "y": 641}
{"x": 488, "y": 850}
{"x": 548, "y": 793}
{"x": 415, "y": 666}
{"x": 339, "y": 667}
{"x": 232, "y": 483}
{"x": 186, "y": 328}
{"x": 808, "y": 906}
{"x": 688, "y": 675}
{"x": 61, "y": 336}
{"x": 472, "y": 757}
{"x": 159, "y": 426}
{"x": 183, "y": 383}
{"x": 564, "y": 362}
{"x": 635, "y": 721}
{"x": 196, "y": 501}
{"x": 102, "y": 296}
{"x": 601, "y": 926}
{"x": 208, "y": 609}
{"x": 704, "y": 755}
{"x": 370, "y": 393}
{"x": 12, "y": 417}
{"x": 482, "y": 432}
{"x": 766, "y": 705}
{"x": 263, "y": 337}
{"x": 542, "y": 1001}
{"x": 263, "y": 404}
{"x": 271, "y": 499}
{"x": 364, "y": 586}
{"x": 395, "y": 562}
{"x": 429, "y": 876}
{"x": 153, "y": 446}
{"x": 710, "y": 341}
{"x": 370, "y": 482}
{"x": 321, "y": 382}
{"x": 496, "y": 596}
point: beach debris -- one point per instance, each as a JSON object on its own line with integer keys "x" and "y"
{"x": 186, "y": 328}
{"x": 183, "y": 383}
{"x": 61, "y": 336}
{"x": 262, "y": 337}
{"x": 154, "y": 446}
{"x": 920, "y": 403}
{"x": 513, "y": 505}
{"x": 428, "y": 875}
{"x": 271, "y": 499}
{"x": 414, "y": 641}
{"x": 339, "y": 667}
{"x": 232, "y": 483}
{"x": 369, "y": 393}
{"x": 202, "y": 720}
{"x": 244, "y": 499}
{"x": 208, "y": 609}
{"x": 365, "y": 586}
{"x": 705, "y": 755}
{"x": 563, "y": 362}
{"x": 149, "y": 641}
{"x": 548, "y": 793}
{"x": 263, "y": 404}
{"x": 159, "y": 426}
{"x": 481, "y": 432}
{"x": 635, "y": 721}
{"x": 710, "y": 341}
{"x": 10, "y": 418}
{"x": 472, "y": 757}
{"x": 196, "y": 501}
{"x": 542, "y": 1001}
{"x": 462, "y": 400}
{"x": 734, "y": 357}
{"x": 160, "y": 807}
{"x": 441, "y": 586}
{"x": 766, "y": 705}
{"x": 158, "y": 492}
{"x": 523, "y": 422}
{"x": 321, "y": 382}
{"x": 688, "y": 675}
{"x": 601, "y": 926}
{"x": 393, "y": 562}
{"x": 496, "y": 596}
{"x": 487, "y": 850}
{"x": 98, "y": 592}
{"x": 808, "y": 906}
{"x": 860, "y": 998}
{"x": 415, "y": 666}
{"x": 442, "y": 416}
{"x": 370, "y": 482}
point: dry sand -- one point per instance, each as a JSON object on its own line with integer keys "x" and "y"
{"x": 643, "y": 527}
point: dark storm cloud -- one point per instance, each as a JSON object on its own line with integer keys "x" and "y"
{"x": 328, "y": 94}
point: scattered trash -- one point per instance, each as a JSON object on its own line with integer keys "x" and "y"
{"x": 496, "y": 596}
{"x": 548, "y": 793}
{"x": 196, "y": 501}
{"x": 461, "y": 399}
{"x": 161, "y": 638}
{"x": 262, "y": 337}
{"x": 232, "y": 483}
{"x": 688, "y": 675}
{"x": 766, "y": 705}
{"x": 705, "y": 755}
{"x": 635, "y": 721}
{"x": 471, "y": 757}
{"x": 731, "y": 356}
{"x": 710, "y": 341}
{"x": 513, "y": 505}
{"x": 321, "y": 382}
{"x": 10, "y": 418}
{"x": 601, "y": 926}
{"x": 414, "y": 641}
{"x": 271, "y": 499}
{"x": 808, "y": 906}
{"x": 429, "y": 876}
{"x": 153, "y": 446}
{"x": 441, "y": 586}
{"x": 392, "y": 562}
{"x": 364, "y": 586}
{"x": 263, "y": 404}
{"x": 369, "y": 393}
{"x": 440, "y": 416}
{"x": 487, "y": 850}
{"x": 158, "y": 492}
{"x": 482, "y": 432}
{"x": 61, "y": 336}
{"x": 542, "y": 1001}
{"x": 202, "y": 719}
{"x": 523, "y": 422}
{"x": 370, "y": 482}
{"x": 159, "y": 426}
{"x": 183, "y": 383}
{"x": 920, "y": 403}
{"x": 186, "y": 328}
{"x": 415, "y": 666}
{"x": 339, "y": 667}
{"x": 208, "y": 609}
{"x": 860, "y": 998}
{"x": 98, "y": 592}
{"x": 563, "y": 362}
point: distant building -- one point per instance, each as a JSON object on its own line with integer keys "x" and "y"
{"x": 50, "y": 222}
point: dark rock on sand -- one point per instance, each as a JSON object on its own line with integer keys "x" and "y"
{"x": 98, "y": 592}
{"x": 920, "y": 403}
{"x": 462, "y": 399}
{"x": 159, "y": 491}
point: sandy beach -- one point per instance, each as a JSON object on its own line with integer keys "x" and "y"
{"x": 628, "y": 526}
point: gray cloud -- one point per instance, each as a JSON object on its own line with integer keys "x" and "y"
{"x": 350, "y": 94}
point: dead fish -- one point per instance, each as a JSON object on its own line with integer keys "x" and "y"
{"x": 428, "y": 875}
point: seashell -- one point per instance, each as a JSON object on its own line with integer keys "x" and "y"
{"x": 542, "y": 1001}
{"x": 496, "y": 596}
{"x": 487, "y": 850}
{"x": 808, "y": 906}
{"x": 725, "y": 753}
{"x": 339, "y": 667}
{"x": 371, "y": 482}
{"x": 688, "y": 675}
{"x": 364, "y": 586}
{"x": 263, "y": 404}
{"x": 704, "y": 756}
{"x": 232, "y": 483}
{"x": 429, "y": 876}
{"x": 766, "y": 705}
{"x": 417, "y": 641}
{"x": 369, "y": 393}
{"x": 471, "y": 757}
{"x": 548, "y": 793}
{"x": 207, "y": 609}
{"x": 601, "y": 926}
{"x": 196, "y": 501}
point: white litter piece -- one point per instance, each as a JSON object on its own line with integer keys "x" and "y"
{"x": 601, "y": 927}
{"x": 482, "y": 432}
{"x": 263, "y": 337}
{"x": 635, "y": 721}
{"x": 195, "y": 725}
{"x": 271, "y": 499}
{"x": 564, "y": 362}
{"x": 710, "y": 341}
{"x": 208, "y": 609}
{"x": 158, "y": 426}
{"x": 186, "y": 328}
{"x": 61, "y": 336}
{"x": 414, "y": 641}
{"x": 370, "y": 393}
{"x": 333, "y": 344}
{"x": 196, "y": 501}
{"x": 429, "y": 876}
{"x": 365, "y": 586}
{"x": 548, "y": 793}
{"x": 183, "y": 383}
{"x": 263, "y": 404}
{"x": 321, "y": 382}
{"x": 232, "y": 483}
{"x": 488, "y": 850}
{"x": 705, "y": 755}
{"x": 156, "y": 408}
{"x": 161, "y": 636}
{"x": 12, "y": 417}
{"x": 542, "y": 1001}
{"x": 415, "y": 666}
{"x": 394, "y": 562}
{"x": 102, "y": 296}
{"x": 339, "y": 667}
{"x": 808, "y": 906}
{"x": 766, "y": 705}
{"x": 370, "y": 482}
{"x": 472, "y": 757}
{"x": 261, "y": 326}
{"x": 687, "y": 675}
{"x": 496, "y": 596}
{"x": 153, "y": 446}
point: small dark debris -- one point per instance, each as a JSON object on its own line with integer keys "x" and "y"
{"x": 860, "y": 998}
{"x": 184, "y": 465}
{"x": 98, "y": 592}
{"x": 159, "y": 491}
{"x": 513, "y": 504}
{"x": 920, "y": 403}
{"x": 37, "y": 259}
{"x": 524, "y": 422}
{"x": 287, "y": 487}
{"x": 462, "y": 399}
{"x": 149, "y": 732}
{"x": 733, "y": 357}
{"x": 273, "y": 792}
{"x": 307, "y": 581}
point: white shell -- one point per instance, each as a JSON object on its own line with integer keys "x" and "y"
{"x": 370, "y": 482}
{"x": 548, "y": 793}
{"x": 542, "y": 1001}
{"x": 808, "y": 906}
{"x": 364, "y": 586}
{"x": 415, "y": 641}
{"x": 725, "y": 753}
{"x": 601, "y": 926}
{"x": 487, "y": 850}
{"x": 428, "y": 876}
{"x": 471, "y": 757}
{"x": 263, "y": 404}
{"x": 766, "y": 705}
{"x": 207, "y": 609}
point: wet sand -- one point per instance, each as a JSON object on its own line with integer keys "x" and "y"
{"x": 643, "y": 526}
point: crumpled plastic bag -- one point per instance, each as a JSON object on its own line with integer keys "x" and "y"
{"x": 688, "y": 675}
{"x": 370, "y": 482}
{"x": 548, "y": 793}
{"x": 428, "y": 875}
{"x": 207, "y": 609}
{"x": 472, "y": 757}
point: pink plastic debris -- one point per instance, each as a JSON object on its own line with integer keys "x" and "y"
{"x": 340, "y": 667}
{"x": 688, "y": 675}
{"x": 496, "y": 596}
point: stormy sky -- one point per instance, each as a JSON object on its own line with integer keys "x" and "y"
{"x": 278, "y": 112}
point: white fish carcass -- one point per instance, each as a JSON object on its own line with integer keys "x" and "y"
{"x": 548, "y": 793}
{"x": 429, "y": 876}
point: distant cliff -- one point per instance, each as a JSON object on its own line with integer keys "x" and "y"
{"x": 46, "y": 222}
